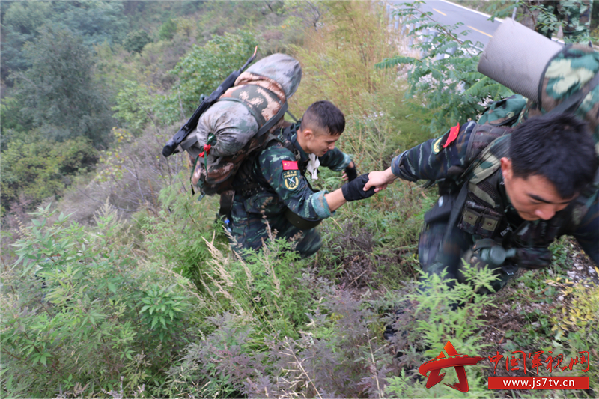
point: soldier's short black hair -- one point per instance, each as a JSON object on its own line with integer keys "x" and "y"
{"x": 558, "y": 147}
{"x": 325, "y": 116}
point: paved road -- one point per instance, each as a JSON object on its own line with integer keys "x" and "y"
{"x": 477, "y": 25}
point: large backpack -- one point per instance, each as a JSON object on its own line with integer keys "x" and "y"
{"x": 237, "y": 126}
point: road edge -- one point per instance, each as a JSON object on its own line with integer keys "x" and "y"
{"x": 470, "y": 9}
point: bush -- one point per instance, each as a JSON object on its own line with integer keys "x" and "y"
{"x": 340, "y": 351}
{"x": 130, "y": 176}
{"x": 446, "y": 73}
{"x": 37, "y": 168}
{"x": 136, "y": 41}
{"x": 167, "y": 30}
{"x": 201, "y": 71}
{"x": 86, "y": 314}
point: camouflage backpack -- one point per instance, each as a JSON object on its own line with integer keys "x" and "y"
{"x": 237, "y": 126}
{"x": 505, "y": 112}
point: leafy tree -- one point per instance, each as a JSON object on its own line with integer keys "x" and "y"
{"x": 13, "y": 122}
{"x": 202, "y": 70}
{"x": 134, "y": 105}
{"x": 445, "y": 76}
{"x": 59, "y": 90}
{"x": 136, "y": 41}
{"x": 167, "y": 30}
{"x": 95, "y": 21}
{"x": 20, "y": 24}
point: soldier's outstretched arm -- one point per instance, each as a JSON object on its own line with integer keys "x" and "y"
{"x": 431, "y": 160}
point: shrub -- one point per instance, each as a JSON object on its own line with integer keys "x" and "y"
{"x": 167, "y": 30}
{"x": 37, "y": 168}
{"x": 83, "y": 311}
{"x": 340, "y": 351}
{"x": 201, "y": 71}
{"x": 136, "y": 41}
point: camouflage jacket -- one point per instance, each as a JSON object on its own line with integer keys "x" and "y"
{"x": 472, "y": 157}
{"x": 275, "y": 181}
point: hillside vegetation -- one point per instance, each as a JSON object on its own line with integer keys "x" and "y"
{"x": 117, "y": 282}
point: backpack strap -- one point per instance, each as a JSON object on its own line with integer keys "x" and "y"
{"x": 272, "y": 121}
{"x": 474, "y": 175}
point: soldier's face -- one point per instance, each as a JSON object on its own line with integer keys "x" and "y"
{"x": 318, "y": 142}
{"x": 534, "y": 197}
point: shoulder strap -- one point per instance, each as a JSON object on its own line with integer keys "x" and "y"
{"x": 272, "y": 121}
{"x": 490, "y": 158}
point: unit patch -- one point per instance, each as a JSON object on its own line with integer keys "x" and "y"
{"x": 453, "y": 134}
{"x": 291, "y": 179}
{"x": 445, "y": 140}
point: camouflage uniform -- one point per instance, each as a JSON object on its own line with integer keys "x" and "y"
{"x": 267, "y": 186}
{"x": 488, "y": 213}
{"x": 576, "y": 17}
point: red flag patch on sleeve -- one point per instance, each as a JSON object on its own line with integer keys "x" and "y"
{"x": 453, "y": 133}
{"x": 290, "y": 165}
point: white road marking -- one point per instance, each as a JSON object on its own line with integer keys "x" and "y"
{"x": 469, "y": 9}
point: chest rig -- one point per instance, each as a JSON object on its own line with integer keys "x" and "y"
{"x": 249, "y": 181}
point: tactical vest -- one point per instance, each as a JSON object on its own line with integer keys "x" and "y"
{"x": 484, "y": 209}
{"x": 249, "y": 181}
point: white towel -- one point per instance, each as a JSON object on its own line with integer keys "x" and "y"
{"x": 313, "y": 165}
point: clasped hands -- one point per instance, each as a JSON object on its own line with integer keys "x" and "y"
{"x": 367, "y": 185}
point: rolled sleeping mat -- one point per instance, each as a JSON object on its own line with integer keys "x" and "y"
{"x": 516, "y": 57}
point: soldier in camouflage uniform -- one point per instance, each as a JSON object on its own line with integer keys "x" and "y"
{"x": 271, "y": 190}
{"x": 519, "y": 190}
{"x": 575, "y": 16}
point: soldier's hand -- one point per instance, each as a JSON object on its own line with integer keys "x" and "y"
{"x": 379, "y": 180}
{"x": 351, "y": 172}
{"x": 354, "y": 190}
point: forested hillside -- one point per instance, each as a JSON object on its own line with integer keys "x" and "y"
{"x": 118, "y": 282}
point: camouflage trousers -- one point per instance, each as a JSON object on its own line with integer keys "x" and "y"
{"x": 250, "y": 231}
{"x": 436, "y": 255}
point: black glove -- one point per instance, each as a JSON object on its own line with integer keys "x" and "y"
{"x": 354, "y": 190}
{"x": 351, "y": 172}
